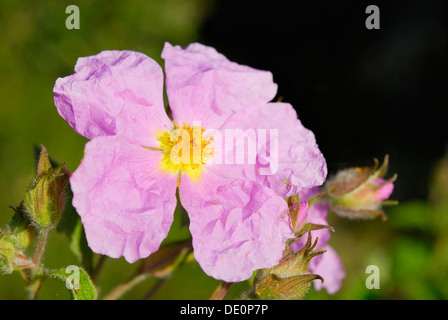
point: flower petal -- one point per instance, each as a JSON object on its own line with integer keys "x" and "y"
{"x": 203, "y": 85}
{"x": 125, "y": 203}
{"x": 114, "y": 92}
{"x": 384, "y": 191}
{"x": 330, "y": 268}
{"x": 297, "y": 164}
{"x": 237, "y": 228}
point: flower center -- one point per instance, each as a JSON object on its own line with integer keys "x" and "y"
{"x": 185, "y": 149}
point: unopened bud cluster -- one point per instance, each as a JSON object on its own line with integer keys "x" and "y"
{"x": 11, "y": 257}
{"x": 41, "y": 210}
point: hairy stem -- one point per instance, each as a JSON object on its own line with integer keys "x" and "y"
{"x": 35, "y": 282}
{"x": 40, "y": 248}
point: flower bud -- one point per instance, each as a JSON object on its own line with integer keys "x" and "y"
{"x": 21, "y": 228}
{"x": 290, "y": 279}
{"x": 361, "y": 192}
{"x": 10, "y": 259}
{"x": 45, "y": 198}
{"x": 7, "y": 253}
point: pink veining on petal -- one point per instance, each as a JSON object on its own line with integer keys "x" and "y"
{"x": 298, "y": 163}
{"x": 114, "y": 92}
{"x": 126, "y": 205}
{"x": 204, "y": 85}
{"x": 237, "y": 227}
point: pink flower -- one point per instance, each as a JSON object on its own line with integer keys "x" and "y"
{"x": 125, "y": 188}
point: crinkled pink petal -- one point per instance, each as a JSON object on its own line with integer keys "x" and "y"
{"x": 237, "y": 227}
{"x": 308, "y": 194}
{"x": 231, "y": 151}
{"x": 114, "y": 92}
{"x": 330, "y": 268}
{"x": 204, "y": 85}
{"x": 298, "y": 163}
{"x": 125, "y": 203}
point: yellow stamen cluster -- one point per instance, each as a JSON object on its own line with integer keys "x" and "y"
{"x": 185, "y": 149}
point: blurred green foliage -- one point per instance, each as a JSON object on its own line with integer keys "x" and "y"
{"x": 410, "y": 248}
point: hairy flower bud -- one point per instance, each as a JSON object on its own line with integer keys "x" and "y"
{"x": 361, "y": 192}
{"x": 45, "y": 198}
{"x": 290, "y": 279}
{"x": 7, "y": 252}
{"x": 10, "y": 258}
{"x": 21, "y": 228}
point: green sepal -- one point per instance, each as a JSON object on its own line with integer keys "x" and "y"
{"x": 310, "y": 227}
{"x": 290, "y": 278}
{"x": 292, "y": 288}
{"x": 294, "y": 207}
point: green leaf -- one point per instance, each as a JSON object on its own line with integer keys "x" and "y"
{"x": 77, "y": 281}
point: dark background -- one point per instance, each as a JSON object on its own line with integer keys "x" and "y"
{"x": 364, "y": 93}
